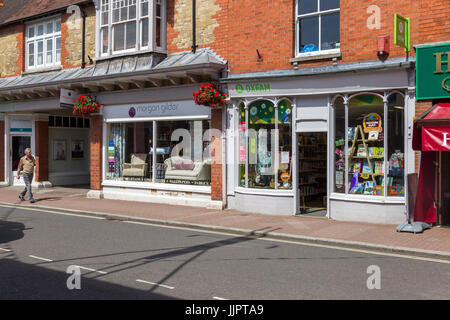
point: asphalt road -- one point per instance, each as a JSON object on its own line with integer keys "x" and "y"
{"x": 123, "y": 260}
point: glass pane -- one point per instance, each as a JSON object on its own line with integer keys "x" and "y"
{"x": 49, "y": 27}
{"x": 58, "y": 25}
{"x": 307, "y": 6}
{"x": 131, "y": 35}
{"x": 242, "y": 145}
{"x": 116, "y": 15}
{"x": 366, "y": 145}
{"x": 183, "y": 152}
{"x": 123, "y": 14}
{"x": 58, "y": 49}
{"x": 66, "y": 122}
{"x": 309, "y": 34}
{"x": 31, "y": 60}
{"x": 87, "y": 123}
{"x": 158, "y": 32}
{"x": 339, "y": 141}
{"x": 51, "y": 121}
{"x": 285, "y": 145}
{"x": 40, "y": 55}
{"x": 158, "y": 9}
{"x": 18, "y": 146}
{"x": 105, "y": 17}
{"x": 58, "y": 121}
{"x": 40, "y": 30}
{"x": 119, "y": 35}
{"x": 132, "y": 12}
{"x": 144, "y": 32}
{"x": 144, "y": 9}
{"x": 73, "y": 122}
{"x": 261, "y": 141}
{"x": 396, "y": 147}
{"x": 330, "y": 31}
{"x": 49, "y": 58}
{"x": 104, "y": 40}
{"x": 329, "y": 4}
{"x": 31, "y": 32}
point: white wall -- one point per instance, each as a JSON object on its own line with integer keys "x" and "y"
{"x": 69, "y": 171}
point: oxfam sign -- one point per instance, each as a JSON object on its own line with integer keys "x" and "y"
{"x": 252, "y": 88}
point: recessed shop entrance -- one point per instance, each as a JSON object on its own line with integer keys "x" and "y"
{"x": 312, "y": 173}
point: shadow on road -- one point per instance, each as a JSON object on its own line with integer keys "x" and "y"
{"x": 28, "y": 281}
{"x": 11, "y": 231}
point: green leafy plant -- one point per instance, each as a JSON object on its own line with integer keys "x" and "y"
{"x": 85, "y": 105}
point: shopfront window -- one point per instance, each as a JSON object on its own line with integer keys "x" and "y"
{"x": 266, "y": 147}
{"x": 182, "y": 153}
{"x": 375, "y": 145}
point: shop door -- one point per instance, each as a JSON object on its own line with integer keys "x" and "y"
{"x": 312, "y": 173}
{"x": 444, "y": 212}
{"x": 18, "y": 146}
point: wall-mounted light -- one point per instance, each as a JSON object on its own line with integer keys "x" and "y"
{"x": 383, "y": 47}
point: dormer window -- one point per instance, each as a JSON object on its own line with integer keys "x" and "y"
{"x": 131, "y": 25}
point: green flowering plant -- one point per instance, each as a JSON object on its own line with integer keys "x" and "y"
{"x": 85, "y": 105}
{"x": 209, "y": 95}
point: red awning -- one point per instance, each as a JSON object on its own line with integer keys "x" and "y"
{"x": 432, "y": 129}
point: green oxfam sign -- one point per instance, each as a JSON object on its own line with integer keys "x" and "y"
{"x": 433, "y": 72}
{"x": 252, "y": 88}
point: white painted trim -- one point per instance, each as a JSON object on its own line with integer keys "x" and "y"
{"x": 158, "y": 186}
{"x": 367, "y": 198}
{"x": 205, "y": 117}
{"x": 318, "y": 53}
{"x": 265, "y": 192}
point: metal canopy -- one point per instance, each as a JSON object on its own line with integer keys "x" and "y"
{"x": 139, "y": 71}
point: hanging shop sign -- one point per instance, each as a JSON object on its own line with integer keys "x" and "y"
{"x": 433, "y": 72}
{"x": 372, "y": 122}
{"x": 436, "y": 138}
{"x": 402, "y": 29}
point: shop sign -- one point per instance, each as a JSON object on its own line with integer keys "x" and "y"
{"x": 20, "y": 125}
{"x": 401, "y": 35}
{"x": 433, "y": 72}
{"x": 372, "y": 122}
{"x": 252, "y": 88}
{"x": 155, "y": 110}
{"x": 436, "y": 138}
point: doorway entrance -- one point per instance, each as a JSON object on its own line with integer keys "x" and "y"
{"x": 312, "y": 173}
{"x": 443, "y": 188}
{"x": 18, "y": 145}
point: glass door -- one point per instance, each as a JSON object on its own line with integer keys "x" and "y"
{"x": 18, "y": 146}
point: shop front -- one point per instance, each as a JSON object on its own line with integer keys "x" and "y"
{"x": 322, "y": 142}
{"x": 432, "y": 134}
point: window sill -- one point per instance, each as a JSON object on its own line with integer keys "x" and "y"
{"x": 317, "y": 55}
{"x": 128, "y": 53}
{"x": 42, "y": 70}
{"x": 367, "y": 198}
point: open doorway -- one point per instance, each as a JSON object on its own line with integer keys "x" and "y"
{"x": 443, "y": 217}
{"x": 312, "y": 173}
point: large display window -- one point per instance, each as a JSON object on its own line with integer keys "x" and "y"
{"x": 369, "y": 144}
{"x": 265, "y": 144}
{"x": 159, "y": 151}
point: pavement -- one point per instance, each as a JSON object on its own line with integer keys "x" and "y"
{"x": 433, "y": 243}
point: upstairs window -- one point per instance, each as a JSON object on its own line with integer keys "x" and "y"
{"x": 131, "y": 25}
{"x": 317, "y": 26}
{"x": 43, "y": 44}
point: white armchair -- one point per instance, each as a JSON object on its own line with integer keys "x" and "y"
{"x": 137, "y": 166}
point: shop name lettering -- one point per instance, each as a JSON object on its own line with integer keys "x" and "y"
{"x": 156, "y": 108}
{"x": 253, "y": 87}
{"x": 439, "y": 63}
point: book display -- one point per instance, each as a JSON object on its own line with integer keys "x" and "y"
{"x": 366, "y": 161}
{"x": 312, "y": 170}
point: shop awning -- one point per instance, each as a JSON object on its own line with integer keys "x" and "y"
{"x": 432, "y": 129}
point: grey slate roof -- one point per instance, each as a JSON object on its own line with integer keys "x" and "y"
{"x": 119, "y": 67}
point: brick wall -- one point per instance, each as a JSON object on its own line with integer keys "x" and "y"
{"x": 41, "y": 152}
{"x": 2, "y": 150}
{"x": 96, "y": 151}
{"x": 216, "y": 164}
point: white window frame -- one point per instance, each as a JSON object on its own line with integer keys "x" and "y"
{"x": 44, "y": 37}
{"x": 319, "y": 14}
{"x": 151, "y": 47}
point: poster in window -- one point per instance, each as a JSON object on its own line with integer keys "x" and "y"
{"x": 77, "y": 149}
{"x": 59, "y": 150}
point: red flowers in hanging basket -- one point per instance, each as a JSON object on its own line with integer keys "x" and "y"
{"x": 85, "y": 105}
{"x": 209, "y": 95}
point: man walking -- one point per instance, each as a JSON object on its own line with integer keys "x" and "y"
{"x": 26, "y": 165}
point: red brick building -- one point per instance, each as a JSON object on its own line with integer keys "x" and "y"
{"x": 308, "y": 85}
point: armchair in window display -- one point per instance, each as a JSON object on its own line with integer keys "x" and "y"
{"x": 178, "y": 168}
{"x": 137, "y": 166}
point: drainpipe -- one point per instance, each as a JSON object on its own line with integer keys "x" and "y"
{"x": 194, "y": 45}
{"x": 83, "y": 41}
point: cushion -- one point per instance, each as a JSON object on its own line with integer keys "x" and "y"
{"x": 138, "y": 158}
{"x": 187, "y": 164}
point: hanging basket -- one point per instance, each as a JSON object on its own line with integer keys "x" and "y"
{"x": 85, "y": 106}
{"x": 209, "y": 95}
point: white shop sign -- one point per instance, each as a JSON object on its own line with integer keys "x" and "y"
{"x": 182, "y": 108}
